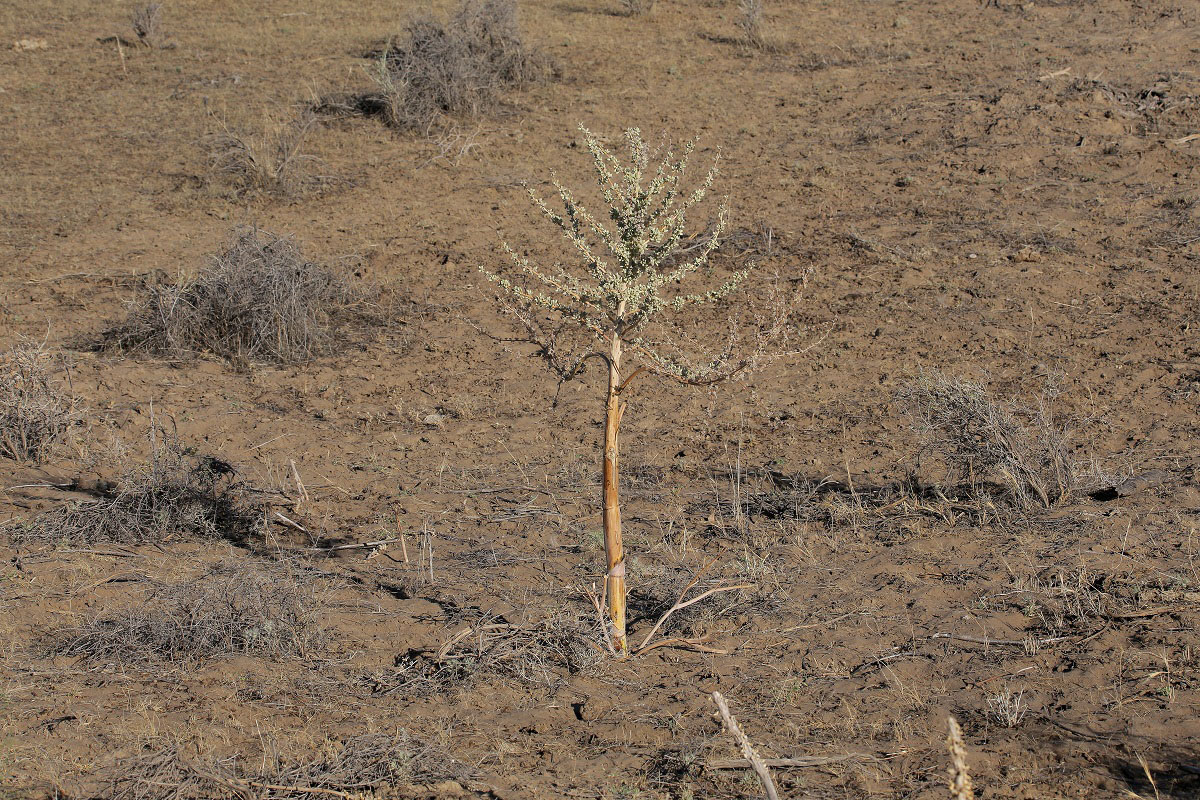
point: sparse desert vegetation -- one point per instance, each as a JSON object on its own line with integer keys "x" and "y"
{"x": 259, "y": 299}
{"x": 172, "y": 495}
{"x": 292, "y": 507}
{"x": 147, "y": 22}
{"x": 37, "y": 410}
{"x": 459, "y": 69}
{"x": 271, "y": 160}
{"x": 232, "y": 609}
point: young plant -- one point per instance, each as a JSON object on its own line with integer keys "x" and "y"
{"x": 628, "y": 275}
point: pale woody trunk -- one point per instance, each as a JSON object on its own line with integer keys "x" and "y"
{"x": 615, "y": 579}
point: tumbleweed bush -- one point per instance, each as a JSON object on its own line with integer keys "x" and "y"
{"x": 258, "y": 300}
{"x": 172, "y": 495}
{"x": 253, "y": 608}
{"x": 984, "y": 441}
{"x": 456, "y": 69}
{"x": 35, "y": 411}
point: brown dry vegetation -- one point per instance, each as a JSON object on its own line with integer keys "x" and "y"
{"x": 1003, "y": 195}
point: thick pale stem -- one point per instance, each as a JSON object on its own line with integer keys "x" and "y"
{"x": 613, "y": 549}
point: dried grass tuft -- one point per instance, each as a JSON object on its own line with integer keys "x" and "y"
{"x": 234, "y": 609}
{"x": 147, "y": 25}
{"x": 361, "y": 766}
{"x": 173, "y": 495}
{"x": 458, "y": 69}
{"x": 978, "y": 438}
{"x": 259, "y": 300}
{"x": 35, "y": 413}
{"x": 750, "y": 20}
{"x": 542, "y": 653}
{"x": 271, "y": 161}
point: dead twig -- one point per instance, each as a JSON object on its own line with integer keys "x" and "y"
{"x": 784, "y": 763}
{"x": 1009, "y": 642}
{"x": 751, "y": 755}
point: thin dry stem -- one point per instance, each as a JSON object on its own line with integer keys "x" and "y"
{"x": 960, "y": 779}
{"x": 756, "y": 762}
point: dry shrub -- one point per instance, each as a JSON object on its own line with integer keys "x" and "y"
{"x": 458, "y": 69}
{"x": 147, "y": 25}
{"x": 253, "y": 609}
{"x": 35, "y": 413}
{"x": 173, "y": 495}
{"x": 543, "y": 652}
{"x": 750, "y": 20}
{"x": 259, "y": 300}
{"x": 270, "y": 161}
{"x": 360, "y": 766}
{"x": 635, "y": 8}
{"x": 990, "y": 444}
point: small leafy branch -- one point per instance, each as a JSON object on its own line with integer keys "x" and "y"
{"x": 629, "y": 271}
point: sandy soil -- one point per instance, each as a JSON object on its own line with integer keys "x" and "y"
{"x": 1008, "y": 191}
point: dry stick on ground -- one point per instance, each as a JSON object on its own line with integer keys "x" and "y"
{"x": 756, "y": 762}
{"x": 608, "y": 304}
{"x": 960, "y": 779}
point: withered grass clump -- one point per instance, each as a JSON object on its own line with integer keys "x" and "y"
{"x": 360, "y": 766}
{"x": 173, "y": 495}
{"x": 636, "y": 8}
{"x": 543, "y": 652}
{"x": 270, "y": 161}
{"x": 253, "y": 609}
{"x": 456, "y": 69}
{"x": 980, "y": 439}
{"x": 147, "y": 25}
{"x": 35, "y": 412}
{"x": 258, "y": 300}
{"x": 750, "y": 20}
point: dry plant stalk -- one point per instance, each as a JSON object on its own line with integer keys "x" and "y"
{"x": 960, "y": 779}
{"x": 608, "y": 305}
{"x": 756, "y": 761}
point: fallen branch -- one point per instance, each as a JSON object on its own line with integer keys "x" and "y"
{"x": 361, "y": 546}
{"x": 803, "y": 761}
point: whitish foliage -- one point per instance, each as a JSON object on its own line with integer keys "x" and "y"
{"x": 627, "y": 270}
